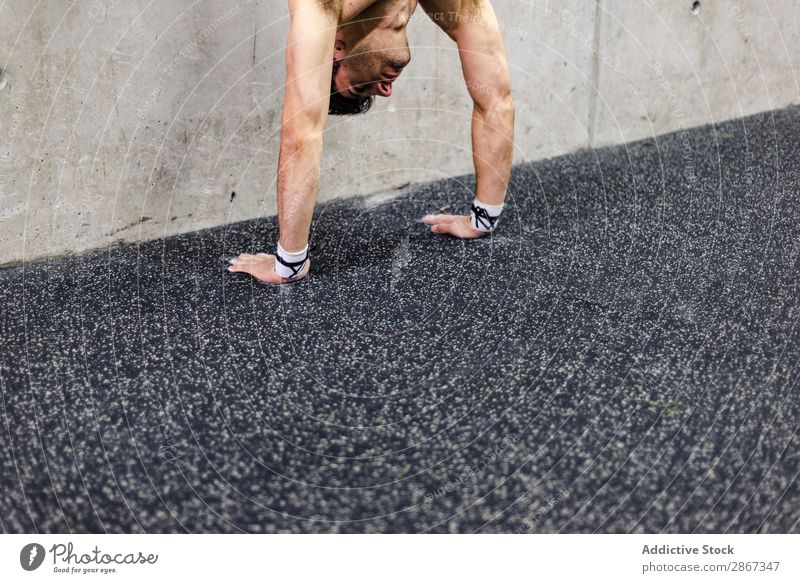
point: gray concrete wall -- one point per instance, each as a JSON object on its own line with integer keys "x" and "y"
{"x": 125, "y": 120}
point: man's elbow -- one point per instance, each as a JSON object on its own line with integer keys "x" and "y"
{"x": 500, "y": 105}
{"x": 297, "y": 135}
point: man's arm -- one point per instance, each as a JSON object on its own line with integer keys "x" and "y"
{"x": 309, "y": 65}
{"x": 472, "y": 24}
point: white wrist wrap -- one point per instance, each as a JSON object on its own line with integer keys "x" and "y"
{"x": 290, "y": 265}
{"x": 484, "y": 216}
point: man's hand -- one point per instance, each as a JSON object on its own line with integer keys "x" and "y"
{"x": 453, "y": 225}
{"x": 262, "y": 267}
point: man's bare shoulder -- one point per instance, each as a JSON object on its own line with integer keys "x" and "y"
{"x": 449, "y": 13}
{"x": 457, "y": 6}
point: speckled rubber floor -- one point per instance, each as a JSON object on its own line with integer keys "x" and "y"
{"x": 621, "y": 356}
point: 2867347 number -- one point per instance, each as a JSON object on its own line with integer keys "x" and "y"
{"x": 750, "y": 566}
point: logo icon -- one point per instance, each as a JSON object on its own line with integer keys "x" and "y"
{"x": 31, "y": 556}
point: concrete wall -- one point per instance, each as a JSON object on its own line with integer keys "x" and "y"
{"x": 124, "y": 120}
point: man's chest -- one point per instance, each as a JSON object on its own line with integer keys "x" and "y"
{"x": 377, "y": 10}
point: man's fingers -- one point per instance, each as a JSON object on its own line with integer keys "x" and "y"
{"x": 241, "y": 257}
{"x": 438, "y": 219}
{"x": 242, "y": 265}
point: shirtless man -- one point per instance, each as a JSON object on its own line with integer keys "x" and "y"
{"x": 340, "y": 55}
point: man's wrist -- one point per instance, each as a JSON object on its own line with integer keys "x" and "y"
{"x": 483, "y": 217}
{"x": 289, "y": 265}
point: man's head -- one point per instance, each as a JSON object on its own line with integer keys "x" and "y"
{"x": 366, "y": 69}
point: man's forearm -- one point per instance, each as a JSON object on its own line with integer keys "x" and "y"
{"x": 309, "y": 48}
{"x": 493, "y": 149}
{"x": 298, "y": 183}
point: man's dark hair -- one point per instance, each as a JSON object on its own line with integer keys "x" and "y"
{"x": 340, "y": 105}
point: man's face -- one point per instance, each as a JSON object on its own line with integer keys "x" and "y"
{"x": 371, "y": 66}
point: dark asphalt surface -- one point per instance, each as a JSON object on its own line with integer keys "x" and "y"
{"x": 621, "y": 356}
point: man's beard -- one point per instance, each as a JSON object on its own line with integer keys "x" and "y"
{"x": 363, "y": 57}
